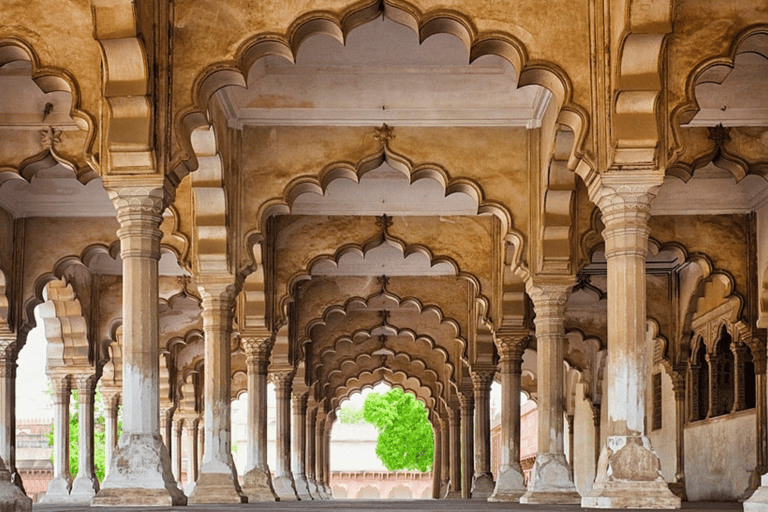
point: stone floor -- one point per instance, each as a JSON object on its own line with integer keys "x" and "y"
{"x": 382, "y": 505}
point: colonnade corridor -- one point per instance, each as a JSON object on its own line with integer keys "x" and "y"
{"x": 385, "y": 505}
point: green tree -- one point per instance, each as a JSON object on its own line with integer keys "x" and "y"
{"x": 350, "y": 414}
{"x": 405, "y": 437}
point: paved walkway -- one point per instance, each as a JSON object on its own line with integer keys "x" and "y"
{"x": 379, "y": 506}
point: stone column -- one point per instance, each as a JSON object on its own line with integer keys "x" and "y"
{"x": 200, "y": 446}
{"x": 436, "y": 460}
{"x": 111, "y": 401}
{"x": 178, "y": 425}
{"x": 283, "y": 481}
{"x": 510, "y": 482}
{"x": 739, "y": 351}
{"x": 166, "y": 428}
{"x": 59, "y": 486}
{"x": 467, "y": 402}
{"x": 217, "y": 481}
{"x": 311, "y": 452}
{"x": 299, "y": 444}
{"x": 86, "y": 485}
{"x": 712, "y": 366}
{"x": 327, "y": 455}
{"x": 257, "y": 481}
{"x": 320, "y": 455}
{"x": 482, "y": 480}
{"x": 758, "y": 502}
{"x": 596, "y": 420}
{"x": 629, "y": 472}
{"x": 678, "y": 388}
{"x": 569, "y": 420}
{"x": 454, "y": 422}
{"x": 141, "y": 468}
{"x": 190, "y": 426}
{"x": 12, "y": 497}
{"x": 445, "y": 458}
{"x": 551, "y": 478}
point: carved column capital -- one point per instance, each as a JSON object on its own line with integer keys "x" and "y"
{"x": 257, "y": 351}
{"x": 139, "y": 212}
{"x": 466, "y": 399}
{"x": 61, "y": 386}
{"x": 511, "y": 350}
{"x": 282, "y": 379}
{"x": 111, "y": 398}
{"x": 482, "y": 380}
{"x": 85, "y": 384}
{"x": 300, "y": 401}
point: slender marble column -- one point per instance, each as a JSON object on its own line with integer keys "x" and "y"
{"x": 140, "y": 472}
{"x": 629, "y": 472}
{"x": 311, "y": 452}
{"x": 166, "y": 429}
{"x": 454, "y": 422}
{"x": 190, "y": 426}
{"x": 482, "y": 480}
{"x": 217, "y": 481}
{"x": 257, "y": 481}
{"x": 8, "y": 357}
{"x": 320, "y": 455}
{"x": 510, "y": 482}
{"x": 178, "y": 425}
{"x": 86, "y": 485}
{"x": 299, "y": 444}
{"x": 59, "y": 486}
{"x": 437, "y": 458}
{"x": 111, "y": 402}
{"x": 12, "y": 498}
{"x": 283, "y": 481}
{"x": 467, "y": 401}
{"x": 551, "y": 478}
{"x": 200, "y": 446}
{"x": 739, "y": 351}
{"x": 678, "y": 387}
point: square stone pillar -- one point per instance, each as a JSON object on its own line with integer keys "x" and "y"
{"x": 283, "y": 481}
{"x": 299, "y": 445}
{"x": 467, "y": 403}
{"x": 551, "y": 478}
{"x": 60, "y": 484}
{"x": 510, "y": 482}
{"x": 257, "y": 481}
{"x": 482, "y": 480}
{"x": 217, "y": 481}
{"x": 86, "y": 485}
{"x": 140, "y": 470}
{"x": 628, "y": 472}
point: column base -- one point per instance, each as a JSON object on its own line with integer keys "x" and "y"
{"x": 139, "y": 475}
{"x": 84, "y": 488}
{"x": 312, "y": 486}
{"x": 551, "y": 482}
{"x": 328, "y": 491}
{"x": 453, "y": 495}
{"x": 758, "y": 502}
{"x": 482, "y": 486}
{"x": 444, "y": 489}
{"x": 257, "y": 485}
{"x": 12, "y": 499}
{"x": 57, "y": 492}
{"x": 215, "y": 484}
{"x": 302, "y": 488}
{"x": 629, "y": 476}
{"x": 285, "y": 488}
{"x": 510, "y": 486}
{"x": 678, "y": 489}
{"x": 190, "y": 488}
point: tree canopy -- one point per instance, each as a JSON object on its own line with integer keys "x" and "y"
{"x": 405, "y": 439}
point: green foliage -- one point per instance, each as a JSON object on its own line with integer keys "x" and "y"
{"x": 350, "y": 414}
{"x": 99, "y": 436}
{"x": 405, "y": 436}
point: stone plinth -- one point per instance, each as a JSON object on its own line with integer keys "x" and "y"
{"x": 551, "y": 481}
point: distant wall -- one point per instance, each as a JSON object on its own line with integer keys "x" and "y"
{"x": 720, "y": 457}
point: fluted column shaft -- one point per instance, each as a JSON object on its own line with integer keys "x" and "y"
{"x": 482, "y": 480}
{"x": 510, "y": 482}
{"x": 86, "y": 485}
{"x": 467, "y": 401}
{"x": 551, "y": 478}
{"x": 299, "y": 445}
{"x": 283, "y": 482}
{"x": 136, "y": 477}
{"x": 629, "y": 472}
{"x": 257, "y": 481}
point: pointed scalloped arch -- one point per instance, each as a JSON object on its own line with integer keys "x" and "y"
{"x": 393, "y": 378}
{"x": 51, "y": 80}
{"x": 715, "y": 69}
{"x": 66, "y": 330}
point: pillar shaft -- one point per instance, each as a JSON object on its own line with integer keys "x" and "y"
{"x": 310, "y": 452}
{"x": 178, "y": 425}
{"x": 111, "y": 402}
{"x": 437, "y": 465}
{"x": 551, "y": 478}
{"x": 629, "y": 472}
{"x": 257, "y": 481}
{"x": 510, "y": 482}
{"x": 678, "y": 387}
{"x": 59, "y": 486}
{"x": 445, "y": 458}
{"x": 467, "y": 401}
{"x": 86, "y": 485}
{"x": 454, "y": 422}
{"x": 12, "y": 496}
{"x": 327, "y": 456}
{"x": 217, "y": 481}
{"x": 299, "y": 444}
{"x": 190, "y": 426}
{"x": 482, "y": 480}
{"x": 283, "y": 483}
{"x": 320, "y": 455}
{"x": 141, "y": 468}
